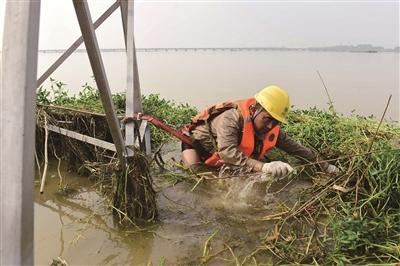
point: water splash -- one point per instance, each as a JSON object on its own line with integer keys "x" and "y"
{"x": 245, "y": 190}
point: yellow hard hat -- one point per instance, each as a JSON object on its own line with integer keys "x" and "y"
{"x": 275, "y": 100}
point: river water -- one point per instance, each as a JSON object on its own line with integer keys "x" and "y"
{"x": 79, "y": 228}
{"x": 359, "y": 82}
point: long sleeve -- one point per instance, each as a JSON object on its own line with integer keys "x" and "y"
{"x": 287, "y": 144}
{"x": 226, "y": 130}
{"x": 226, "y": 133}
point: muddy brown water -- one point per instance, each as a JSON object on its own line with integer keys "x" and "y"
{"x": 79, "y": 227}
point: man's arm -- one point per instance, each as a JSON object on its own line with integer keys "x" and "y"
{"x": 287, "y": 144}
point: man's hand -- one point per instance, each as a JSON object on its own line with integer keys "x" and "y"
{"x": 277, "y": 168}
{"x": 331, "y": 169}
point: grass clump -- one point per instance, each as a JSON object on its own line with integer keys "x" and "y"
{"x": 175, "y": 115}
{"x": 130, "y": 190}
{"x": 363, "y": 222}
{"x": 88, "y": 99}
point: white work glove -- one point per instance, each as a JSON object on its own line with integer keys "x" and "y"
{"x": 331, "y": 169}
{"x": 277, "y": 168}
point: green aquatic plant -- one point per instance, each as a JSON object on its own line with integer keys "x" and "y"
{"x": 88, "y": 99}
{"x": 352, "y": 218}
{"x": 363, "y": 214}
{"x": 175, "y": 115}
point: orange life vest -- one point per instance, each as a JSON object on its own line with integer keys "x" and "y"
{"x": 247, "y": 142}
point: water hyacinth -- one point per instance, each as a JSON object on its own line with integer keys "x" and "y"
{"x": 365, "y": 223}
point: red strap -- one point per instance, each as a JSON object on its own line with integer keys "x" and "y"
{"x": 160, "y": 124}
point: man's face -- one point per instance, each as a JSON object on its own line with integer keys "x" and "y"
{"x": 264, "y": 122}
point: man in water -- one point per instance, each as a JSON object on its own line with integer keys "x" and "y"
{"x": 241, "y": 133}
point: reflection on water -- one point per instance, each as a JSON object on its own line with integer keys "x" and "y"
{"x": 79, "y": 228}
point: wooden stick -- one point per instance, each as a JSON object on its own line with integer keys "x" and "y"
{"x": 72, "y": 110}
{"x": 359, "y": 178}
{"x": 326, "y": 90}
{"x": 58, "y": 169}
{"x": 380, "y": 123}
{"x": 309, "y": 242}
{"x": 37, "y": 163}
{"x": 46, "y": 161}
{"x": 198, "y": 182}
{"x": 274, "y": 216}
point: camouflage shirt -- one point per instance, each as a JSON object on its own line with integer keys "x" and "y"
{"x": 226, "y": 130}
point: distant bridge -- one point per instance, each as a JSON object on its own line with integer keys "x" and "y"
{"x": 231, "y": 49}
{"x": 185, "y": 49}
{"x": 237, "y": 49}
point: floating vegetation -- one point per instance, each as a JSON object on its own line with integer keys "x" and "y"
{"x": 351, "y": 218}
{"x": 131, "y": 189}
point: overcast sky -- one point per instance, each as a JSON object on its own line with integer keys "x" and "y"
{"x": 229, "y": 23}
